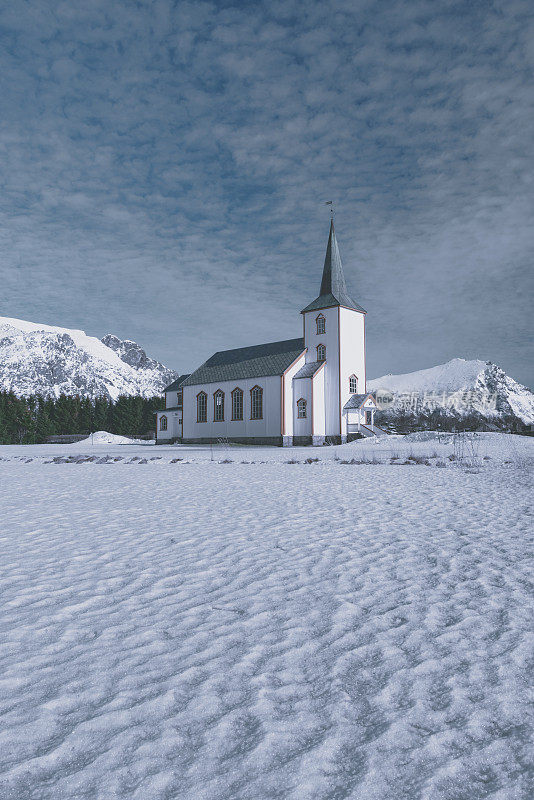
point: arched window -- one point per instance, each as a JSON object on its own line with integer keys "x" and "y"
{"x": 202, "y": 407}
{"x": 256, "y": 403}
{"x": 301, "y": 408}
{"x": 163, "y": 423}
{"x": 218, "y": 406}
{"x": 353, "y": 384}
{"x": 321, "y": 324}
{"x": 237, "y": 404}
{"x": 321, "y": 353}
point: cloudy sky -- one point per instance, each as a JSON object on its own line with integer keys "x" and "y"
{"x": 164, "y": 168}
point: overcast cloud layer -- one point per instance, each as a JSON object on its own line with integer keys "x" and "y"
{"x": 164, "y": 169}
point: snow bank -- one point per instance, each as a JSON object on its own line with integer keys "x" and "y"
{"x": 103, "y": 437}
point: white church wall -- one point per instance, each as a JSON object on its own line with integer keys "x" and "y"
{"x": 287, "y": 394}
{"x": 331, "y": 369}
{"x": 312, "y": 339}
{"x": 171, "y": 399}
{"x": 174, "y": 429}
{"x": 302, "y": 390}
{"x": 318, "y": 403}
{"x": 267, "y": 427}
{"x": 352, "y": 356}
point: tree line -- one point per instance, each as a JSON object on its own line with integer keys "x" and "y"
{"x": 31, "y": 420}
{"x": 401, "y": 421}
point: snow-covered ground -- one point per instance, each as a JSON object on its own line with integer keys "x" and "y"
{"x": 220, "y": 630}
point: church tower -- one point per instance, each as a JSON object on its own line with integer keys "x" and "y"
{"x": 334, "y": 332}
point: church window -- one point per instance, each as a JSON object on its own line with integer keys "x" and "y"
{"x": 180, "y": 398}
{"x": 321, "y": 324}
{"x": 353, "y": 384}
{"x": 202, "y": 407}
{"x": 321, "y": 353}
{"x": 256, "y": 403}
{"x": 301, "y": 408}
{"x": 237, "y": 404}
{"x": 163, "y": 423}
{"x": 218, "y": 406}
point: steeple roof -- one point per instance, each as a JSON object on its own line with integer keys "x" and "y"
{"x": 333, "y": 286}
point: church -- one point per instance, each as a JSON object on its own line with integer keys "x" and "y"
{"x": 309, "y": 390}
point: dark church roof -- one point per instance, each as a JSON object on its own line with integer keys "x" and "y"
{"x": 257, "y": 361}
{"x": 357, "y": 400}
{"x": 309, "y": 369}
{"x": 333, "y": 286}
{"x": 172, "y": 387}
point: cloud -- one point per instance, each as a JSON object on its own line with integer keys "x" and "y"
{"x": 165, "y": 167}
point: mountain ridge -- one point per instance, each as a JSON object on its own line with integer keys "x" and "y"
{"x": 457, "y": 388}
{"x": 50, "y": 360}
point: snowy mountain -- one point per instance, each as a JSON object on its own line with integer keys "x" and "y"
{"x": 134, "y": 355}
{"x": 456, "y": 389}
{"x": 47, "y": 360}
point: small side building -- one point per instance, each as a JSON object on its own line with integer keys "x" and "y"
{"x": 169, "y": 421}
{"x": 360, "y": 413}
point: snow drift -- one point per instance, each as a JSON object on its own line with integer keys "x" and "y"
{"x": 103, "y": 437}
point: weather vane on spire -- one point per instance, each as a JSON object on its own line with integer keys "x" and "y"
{"x": 332, "y": 211}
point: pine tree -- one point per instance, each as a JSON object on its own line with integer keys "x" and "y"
{"x": 122, "y": 417}
{"x": 21, "y": 421}
{"x": 150, "y": 406}
{"x": 86, "y": 416}
{"x": 44, "y": 424}
{"x": 101, "y": 412}
{"x": 65, "y": 415}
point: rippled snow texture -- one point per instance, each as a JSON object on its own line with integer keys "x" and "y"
{"x": 230, "y": 631}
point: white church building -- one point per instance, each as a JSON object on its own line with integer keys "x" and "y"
{"x": 309, "y": 390}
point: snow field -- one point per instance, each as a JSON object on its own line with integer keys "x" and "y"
{"x": 224, "y": 631}
{"x": 478, "y": 450}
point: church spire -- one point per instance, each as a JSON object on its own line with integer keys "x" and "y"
{"x": 333, "y": 277}
{"x": 333, "y": 286}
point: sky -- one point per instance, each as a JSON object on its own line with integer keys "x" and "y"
{"x": 164, "y": 169}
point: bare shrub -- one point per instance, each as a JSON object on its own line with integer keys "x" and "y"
{"x": 361, "y": 461}
{"x": 418, "y": 460}
{"x": 466, "y": 445}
